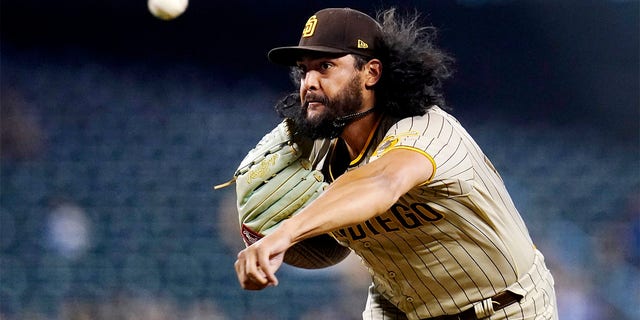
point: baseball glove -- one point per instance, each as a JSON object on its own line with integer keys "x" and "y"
{"x": 275, "y": 181}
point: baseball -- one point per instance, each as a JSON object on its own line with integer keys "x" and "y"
{"x": 167, "y": 9}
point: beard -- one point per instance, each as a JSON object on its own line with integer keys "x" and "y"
{"x": 330, "y": 123}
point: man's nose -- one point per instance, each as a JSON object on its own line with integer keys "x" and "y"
{"x": 310, "y": 81}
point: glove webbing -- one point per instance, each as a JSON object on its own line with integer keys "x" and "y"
{"x": 261, "y": 157}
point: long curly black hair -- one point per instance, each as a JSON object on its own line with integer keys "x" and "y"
{"x": 413, "y": 69}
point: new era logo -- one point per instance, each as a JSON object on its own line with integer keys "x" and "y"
{"x": 362, "y": 44}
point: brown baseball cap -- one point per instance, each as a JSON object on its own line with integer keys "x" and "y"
{"x": 332, "y": 31}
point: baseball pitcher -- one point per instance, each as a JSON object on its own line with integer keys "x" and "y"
{"x": 406, "y": 187}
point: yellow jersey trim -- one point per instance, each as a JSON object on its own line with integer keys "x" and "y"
{"x": 366, "y": 145}
{"x": 422, "y": 152}
{"x": 330, "y": 158}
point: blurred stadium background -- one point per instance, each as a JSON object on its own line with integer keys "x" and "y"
{"x": 116, "y": 125}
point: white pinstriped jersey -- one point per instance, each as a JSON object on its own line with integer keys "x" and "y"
{"x": 452, "y": 241}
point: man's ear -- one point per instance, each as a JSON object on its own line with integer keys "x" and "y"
{"x": 373, "y": 70}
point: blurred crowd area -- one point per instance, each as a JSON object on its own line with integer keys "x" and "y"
{"x": 115, "y": 127}
{"x": 107, "y": 208}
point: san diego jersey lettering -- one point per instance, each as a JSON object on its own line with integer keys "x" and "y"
{"x": 455, "y": 239}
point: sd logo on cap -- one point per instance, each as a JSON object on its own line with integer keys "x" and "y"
{"x": 332, "y": 31}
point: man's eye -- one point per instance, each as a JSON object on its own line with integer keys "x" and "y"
{"x": 325, "y": 65}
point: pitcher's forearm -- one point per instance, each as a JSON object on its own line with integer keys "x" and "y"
{"x": 360, "y": 195}
{"x": 340, "y": 207}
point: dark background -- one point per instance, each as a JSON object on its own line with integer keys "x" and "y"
{"x": 115, "y": 125}
{"x": 559, "y": 61}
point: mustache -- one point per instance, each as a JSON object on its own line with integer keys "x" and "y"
{"x": 315, "y": 97}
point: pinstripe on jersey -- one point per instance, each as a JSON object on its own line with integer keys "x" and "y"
{"x": 452, "y": 241}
